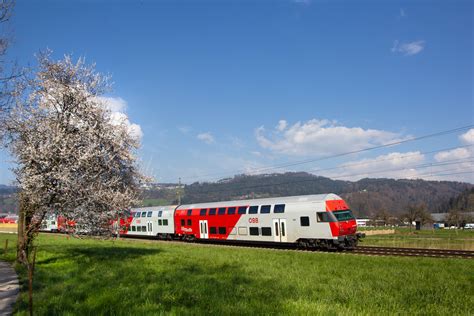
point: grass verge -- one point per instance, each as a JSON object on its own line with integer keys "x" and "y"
{"x": 90, "y": 277}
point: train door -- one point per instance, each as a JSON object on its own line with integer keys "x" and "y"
{"x": 203, "y": 230}
{"x": 149, "y": 228}
{"x": 279, "y": 227}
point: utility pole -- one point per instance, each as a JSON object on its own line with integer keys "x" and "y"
{"x": 179, "y": 192}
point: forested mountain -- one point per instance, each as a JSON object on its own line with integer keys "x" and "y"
{"x": 366, "y": 197}
{"x": 464, "y": 202}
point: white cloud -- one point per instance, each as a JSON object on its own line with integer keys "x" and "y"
{"x": 206, "y": 137}
{"x": 468, "y": 137}
{"x": 118, "y": 106}
{"x": 409, "y": 48}
{"x": 458, "y": 153}
{"x": 320, "y": 138}
{"x": 393, "y": 165}
{"x": 184, "y": 129}
{"x": 282, "y": 124}
{"x": 114, "y": 104}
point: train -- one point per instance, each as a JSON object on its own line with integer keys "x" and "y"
{"x": 321, "y": 221}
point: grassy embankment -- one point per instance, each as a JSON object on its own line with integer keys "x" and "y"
{"x": 138, "y": 278}
{"x": 438, "y": 238}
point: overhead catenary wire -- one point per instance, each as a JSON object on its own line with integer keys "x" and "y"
{"x": 350, "y": 175}
{"x": 301, "y": 162}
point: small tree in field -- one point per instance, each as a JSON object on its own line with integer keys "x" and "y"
{"x": 73, "y": 156}
{"x": 417, "y": 213}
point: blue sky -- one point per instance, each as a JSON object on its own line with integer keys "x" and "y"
{"x": 225, "y": 87}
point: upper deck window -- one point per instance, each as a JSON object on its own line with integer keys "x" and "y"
{"x": 160, "y": 213}
{"x": 149, "y": 214}
{"x": 221, "y": 211}
{"x": 190, "y": 212}
{"x": 265, "y": 209}
{"x": 279, "y": 208}
{"x": 253, "y": 210}
{"x": 345, "y": 215}
{"x": 242, "y": 210}
{"x": 231, "y": 211}
{"x": 143, "y": 214}
{"x": 212, "y": 211}
{"x": 203, "y": 211}
{"x": 137, "y": 214}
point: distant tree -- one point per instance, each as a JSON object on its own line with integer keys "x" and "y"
{"x": 417, "y": 213}
{"x": 383, "y": 216}
{"x": 454, "y": 218}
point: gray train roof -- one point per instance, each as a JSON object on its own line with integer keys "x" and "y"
{"x": 155, "y": 208}
{"x": 276, "y": 200}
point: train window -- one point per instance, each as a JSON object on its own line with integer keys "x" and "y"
{"x": 323, "y": 217}
{"x": 212, "y": 230}
{"x": 165, "y": 222}
{"x": 345, "y": 215}
{"x": 231, "y": 210}
{"x": 183, "y": 222}
{"x": 149, "y": 214}
{"x": 266, "y": 231}
{"x": 264, "y": 209}
{"x": 221, "y": 211}
{"x": 190, "y": 222}
{"x": 242, "y": 210}
{"x": 282, "y": 229}
{"x": 279, "y": 208}
{"x": 159, "y": 222}
{"x": 202, "y": 212}
{"x": 253, "y": 210}
{"x": 134, "y": 228}
{"x": 253, "y": 231}
{"x": 222, "y": 231}
{"x": 143, "y": 228}
{"x": 190, "y": 212}
{"x": 243, "y": 231}
{"x": 139, "y": 228}
{"x": 212, "y": 211}
{"x": 143, "y": 214}
{"x": 304, "y": 221}
{"x": 137, "y": 214}
{"x": 160, "y": 213}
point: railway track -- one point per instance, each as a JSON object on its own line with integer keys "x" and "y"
{"x": 413, "y": 252}
{"x": 360, "y": 250}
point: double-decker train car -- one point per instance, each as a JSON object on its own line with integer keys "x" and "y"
{"x": 311, "y": 221}
{"x": 153, "y": 221}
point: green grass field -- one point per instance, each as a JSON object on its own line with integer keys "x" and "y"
{"x": 440, "y": 239}
{"x": 89, "y": 277}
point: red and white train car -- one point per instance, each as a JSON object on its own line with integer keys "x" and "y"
{"x": 319, "y": 221}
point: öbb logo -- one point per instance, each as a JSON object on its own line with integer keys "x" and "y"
{"x": 253, "y": 220}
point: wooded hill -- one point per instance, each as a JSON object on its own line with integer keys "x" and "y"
{"x": 366, "y": 197}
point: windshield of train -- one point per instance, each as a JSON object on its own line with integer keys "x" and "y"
{"x": 345, "y": 215}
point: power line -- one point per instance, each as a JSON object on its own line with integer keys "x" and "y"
{"x": 456, "y": 161}
{"x": 279, "y": 166}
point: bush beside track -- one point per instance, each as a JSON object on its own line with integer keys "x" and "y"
{"x": 105, "y": 277}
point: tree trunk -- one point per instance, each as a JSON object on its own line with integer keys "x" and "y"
{"x": 22, "y": 245}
